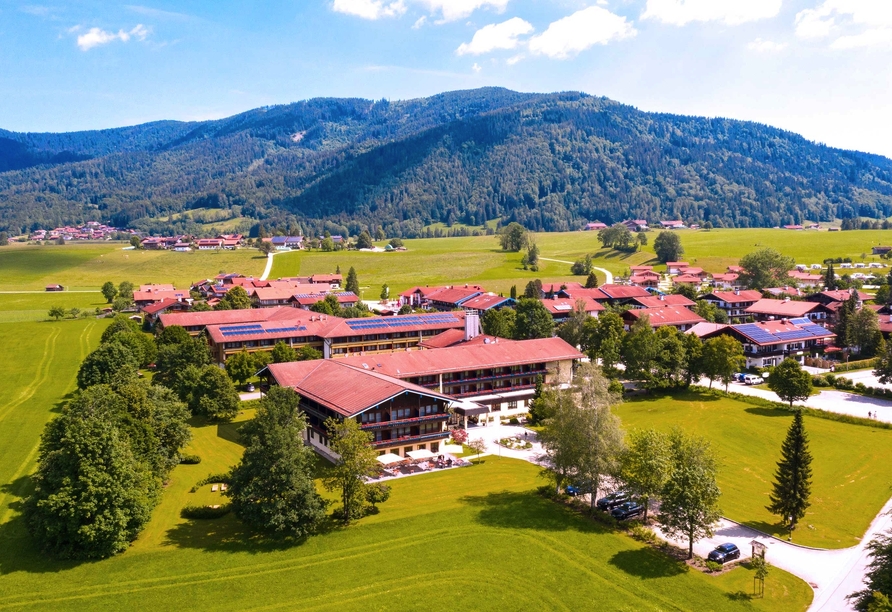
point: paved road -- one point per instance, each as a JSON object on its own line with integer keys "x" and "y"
{"x": 608, "y": 275}
{"x": 269, "y": 265}
{"x": 829, "y": 400}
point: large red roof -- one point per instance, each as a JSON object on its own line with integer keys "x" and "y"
{"x": 566, "y": 306}
{"x": 659, "y": 301}
{"x": 306, "y": 324}
{"x": 735, "y": 297}
{"x": 346, "y": 390}
{"x": 668, "y": 315}
{"x": 783, "y": 308}
{"x": 485, "y": 301}
{"x": 397, "y": 323}
{"x": 623, "y": 291}
{"x": 224, "y": 317}
{"x": 466, "y": 357}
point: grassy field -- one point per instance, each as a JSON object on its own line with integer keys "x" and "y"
{"x": 17, "y": 307}
{"x": 477, "y": 538}
{"x": 88, "y": 266}
{"x": 852, "y": 464}
{"x": 39, "y": 365}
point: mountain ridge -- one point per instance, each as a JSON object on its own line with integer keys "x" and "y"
{"x": 550, "y": 161}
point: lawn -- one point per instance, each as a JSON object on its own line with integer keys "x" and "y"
{"x": 852, "y": 464}
{"x": 16, "y": 307}
{"x": 475, "y": 538}
{"x": 39, "y": 364}
{"x": 88, "y": 266}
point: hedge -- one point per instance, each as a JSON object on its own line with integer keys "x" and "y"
{"x": 204, "y": 512}
{"x": 855, "y": 365}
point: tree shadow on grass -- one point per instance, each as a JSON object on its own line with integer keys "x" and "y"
{"x": 769, "y": 412}
{"x": 229, "y": 431}
{"x": 527, "y": 510}
{"x": 228, "y": 534}
{"x": 18, "y": 551}
{"x": 739, "y": 596}
{"x": 63, "y": 401}
{"x": 647, "y": 563}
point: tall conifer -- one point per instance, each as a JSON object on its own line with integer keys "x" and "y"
{"x": 792, "y": 486}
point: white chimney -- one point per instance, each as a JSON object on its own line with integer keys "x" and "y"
{"x": 472, "y": 324}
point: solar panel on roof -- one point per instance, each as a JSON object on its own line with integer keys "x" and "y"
{"x": 796, "y": 334}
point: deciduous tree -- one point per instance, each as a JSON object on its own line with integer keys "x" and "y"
{"x": 513, "y": 237}
{"x": 499, "y": 322}
{"x": 765, "y": 268}
{"x": 272, "y": 487}
{"x": 646, "y": 465}
{"x": 667, "y": 246}
{"x": 532, "y": 320}
{"x": 790, "y": 381}
{"x": 689, "y": 506}
{"x": 235, "y": 299}
{"x": 109, "y": 363}
{"x": 722, "y": 357}
{"x": 355, "y": 463}
{"x": 109, "y": 291}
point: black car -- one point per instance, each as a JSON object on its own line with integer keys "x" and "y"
{"x": 613, "y": 500}
{"x": 724, "y": 553}
{"x": 627, "y": 510}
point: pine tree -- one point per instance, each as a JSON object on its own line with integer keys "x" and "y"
{"x": 830, "y": 278}
{"x": 352, "y": 281}
{"x": 592, "y": 281}
{"x": 792, "y": 486}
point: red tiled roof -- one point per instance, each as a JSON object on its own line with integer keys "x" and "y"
{"x": 346, "y": 390}
{"x": 444, "y": 339}
{"x": 676, "y": 264}
{"x": 157, "y": 307}
{"x": 424, "y": 291}
{"x": 687, "y": 278}
{"x": 668, "y": 315}
{"x": 575, "y": 290}
{"x": 229, "y": 317}
{"x": 729, "y": 277}
{"x": 804, "y": 276}
{"x": 735, "y": 269}
{"x": 622, "y": 291}
{"x": 782, "y": 308}
{"x": 467, "y": 357}
{"x": 705, "y": 329}
{"x": 454, "y": 295}
{"x": 484, "y": 302}
{"x": 843, "y": 295}
{"x": 885, "y": 323}
{"x": 308, "y": 299}
{"x": 656, "y": 301}
{"x": 155, "y": 296}
{"x": 747, "y": 295}
{"x": 566, "y": 306}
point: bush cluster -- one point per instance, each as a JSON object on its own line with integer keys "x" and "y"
{"x": 190, "y": 459}
{"x": 204, "y": 512}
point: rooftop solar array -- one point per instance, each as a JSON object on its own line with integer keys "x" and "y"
{"x": 805, "y": 330}
{"x": 255, "y": 328}
{"x": 401, "y": 322}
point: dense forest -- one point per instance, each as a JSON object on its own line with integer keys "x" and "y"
{"x": 549, "y": 161}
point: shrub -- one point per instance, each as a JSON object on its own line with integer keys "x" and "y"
{"x": 643, "y": 534}
{"x": 190, "y": 459}
{"x": 831, "y": 379}
{"x": 204, "y": 512}
{"x": 712, "y": 566}
{"x": 860, "y": 387}
{"x": 855, "y": 365}
{"x": 513, "y": 421}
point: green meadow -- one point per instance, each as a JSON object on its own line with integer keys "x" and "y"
{"x": 852, "y": 464}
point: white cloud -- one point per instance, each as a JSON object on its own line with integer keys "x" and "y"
{"x": 450, "y": 10}
{"x": 591, "y": 26}
{"x": 855, "y": 23}
{"x": 496, "y": 36}
{"x": 730, "y": 12}
{"x": 514, "y": 59}
{"x": 97, "y": 36}
{"x": 370, "y": 9}
{"x": 476, "y": 67}
{"x": 766, "y": 46}
{"x": 419, "y": 22}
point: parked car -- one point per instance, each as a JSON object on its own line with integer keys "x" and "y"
{"x": 724, "y": 553}
{"x": 752, "y": 379}
{"x": 613, "y": 500}
{"x": 572, "y": 490}
{"x": 627, "y": 510}
{"x": 250, "y": 387}
{"x": 738, "y": 377}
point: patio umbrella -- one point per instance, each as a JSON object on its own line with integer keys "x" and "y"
{"x": 423, "y": 453}
{"x": 452, "y": 449}
{"x": 389, "y": 458}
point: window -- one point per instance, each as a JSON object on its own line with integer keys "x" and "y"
{"x": 435, "y": 447}
{"x": 512, "y": 405}
{"x": 402, "y": 413}
{"x": 406, "y": 451}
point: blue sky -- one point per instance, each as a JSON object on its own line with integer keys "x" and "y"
{"x": 822, "y": 68}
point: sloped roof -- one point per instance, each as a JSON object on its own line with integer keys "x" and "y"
{"x": 623, "y": 291}
{"x": 486, "y": 301}
{"x": 668, "y": 315}
{"x": 566, "y": 306}
{"x": 466, "y": 357}
{"x": 657, "y": 301}
{"x": 397, "y": 323}
{"x": 783, "y": 308}
{"x": 780, "y": 332}
{"x": 224, "y": 317}
{"x": 706, "y": 329}
{"x": 346, "y": 390}
{"x": 732, "y": 297}
{"x": 307, "y": 324}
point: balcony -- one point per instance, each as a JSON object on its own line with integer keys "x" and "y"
{"x": 495, "y": 391}
{"x": 412, "y": 421}
{"x": 454, "y": 381}
{"x": 434, "y": 435}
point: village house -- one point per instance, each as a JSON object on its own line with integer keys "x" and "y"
{"x": 734, "y": 303}
{"x": 636, "y": 225}
{"x": 729, "y": 281}
{"x": 659, "y": 301}
{"x": 769, "y": 310}
{"x": 488, "y": 301}
{"x": 208, "y": 244}
{"x": 672, "y": 224}
{"x": 647, "y": 278}
{"x": 881, "y": 250}
{"x": 562, "y": 309}
{"x": 676, "y": 267}
{"x": 594, "y": 227}
{"x": 804, "y": 279}
{"x": 768, "y": 343}
{"x": 346, "y": 299}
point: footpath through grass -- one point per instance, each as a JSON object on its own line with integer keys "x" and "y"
{"x": 475, "y": 538}
{"x": 852, "y": 464}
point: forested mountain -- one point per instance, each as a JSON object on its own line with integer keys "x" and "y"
{"x": 550, "y": 161}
